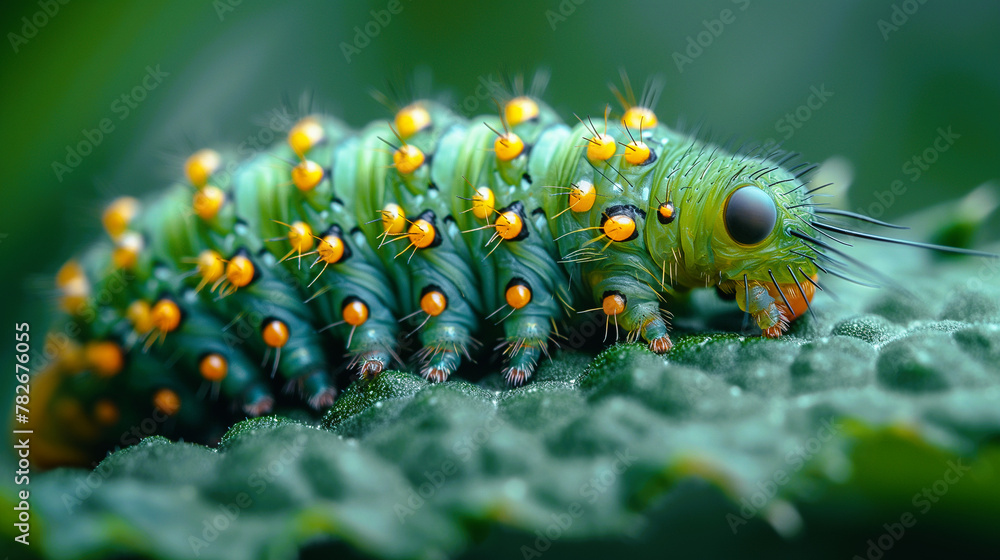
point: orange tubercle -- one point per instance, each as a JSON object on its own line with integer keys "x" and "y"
{"x": 613, "y": 304}
{"x": 794, "y": 296}
{"x": 104, "y": 358}
{"x": 355, "y": 313}
{"x": 167, "y": 402}
{"x": 518, "y": 295}
{"x": 433, "y": 303}
{"x": 275, "y": 334}
{"x": 213, "y": 367}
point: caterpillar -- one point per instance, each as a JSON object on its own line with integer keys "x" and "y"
{"x": 426, "y": 228}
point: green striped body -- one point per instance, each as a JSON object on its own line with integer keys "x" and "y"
{"x": 567, "y": 260}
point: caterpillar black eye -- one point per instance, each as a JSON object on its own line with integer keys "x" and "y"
{"x": 750, "y": 215}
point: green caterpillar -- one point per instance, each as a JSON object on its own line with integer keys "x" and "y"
{"x": 430, "y": 228}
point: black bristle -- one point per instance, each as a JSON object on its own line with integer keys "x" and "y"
{"x": 930, "y": 246}
{"x": 861, "y": 217}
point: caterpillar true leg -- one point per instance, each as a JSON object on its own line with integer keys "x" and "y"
{"x": 526, "y": 331}
{"x": 445, "y": 312}
{"x": 633, "y": 305}
{"x": 774, "y": 305}
{"x": 531, "y": 289}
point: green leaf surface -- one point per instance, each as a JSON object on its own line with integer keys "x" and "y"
{"x": 884, "y": 409}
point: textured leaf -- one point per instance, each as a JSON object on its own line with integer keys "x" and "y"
{"x": 819, "y": 443}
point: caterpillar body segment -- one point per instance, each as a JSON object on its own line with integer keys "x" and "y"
{"x": 415, "y": 237}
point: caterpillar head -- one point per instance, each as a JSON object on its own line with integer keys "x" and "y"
{"x": 729, "y": 224}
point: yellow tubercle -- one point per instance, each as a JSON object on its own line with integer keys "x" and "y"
{"x": 207, "y": 201}
{"x": 508, "y": 146}
{"x": 619, "y": 227}
{"x": 300, "y": 236}
{"x": 140, "y": 314}
{"x": 637, "y": 152}
{"x": 166, "y": 316}
{"x": 118, "y": 215}
{"x": 74, "y": 288}
{"x": 483, "y": 203}
{"x": 240, "y": 271}
{"x": 582, "y": 196}
{"x": 509, "y": 225}
{"x": 393, "y": 218}
{"x": 519, "y": 110}
{"x": 407, "y": 159}
{"x": 306, "y": 175}
{"x": 601, "y": 148}
{"x": 411, "y": 120}
{"x": 305, "y": 135}
{"x": 331, "y": 249}
{"x": 421, "y": 233}
{"x": 201, "y": 165}
{"x": 210, "y": 265}
{"x": 637, "y": 118}
{"x": 127, "y": 249}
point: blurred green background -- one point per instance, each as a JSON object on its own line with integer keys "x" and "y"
{"x": 229, "y": 63}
